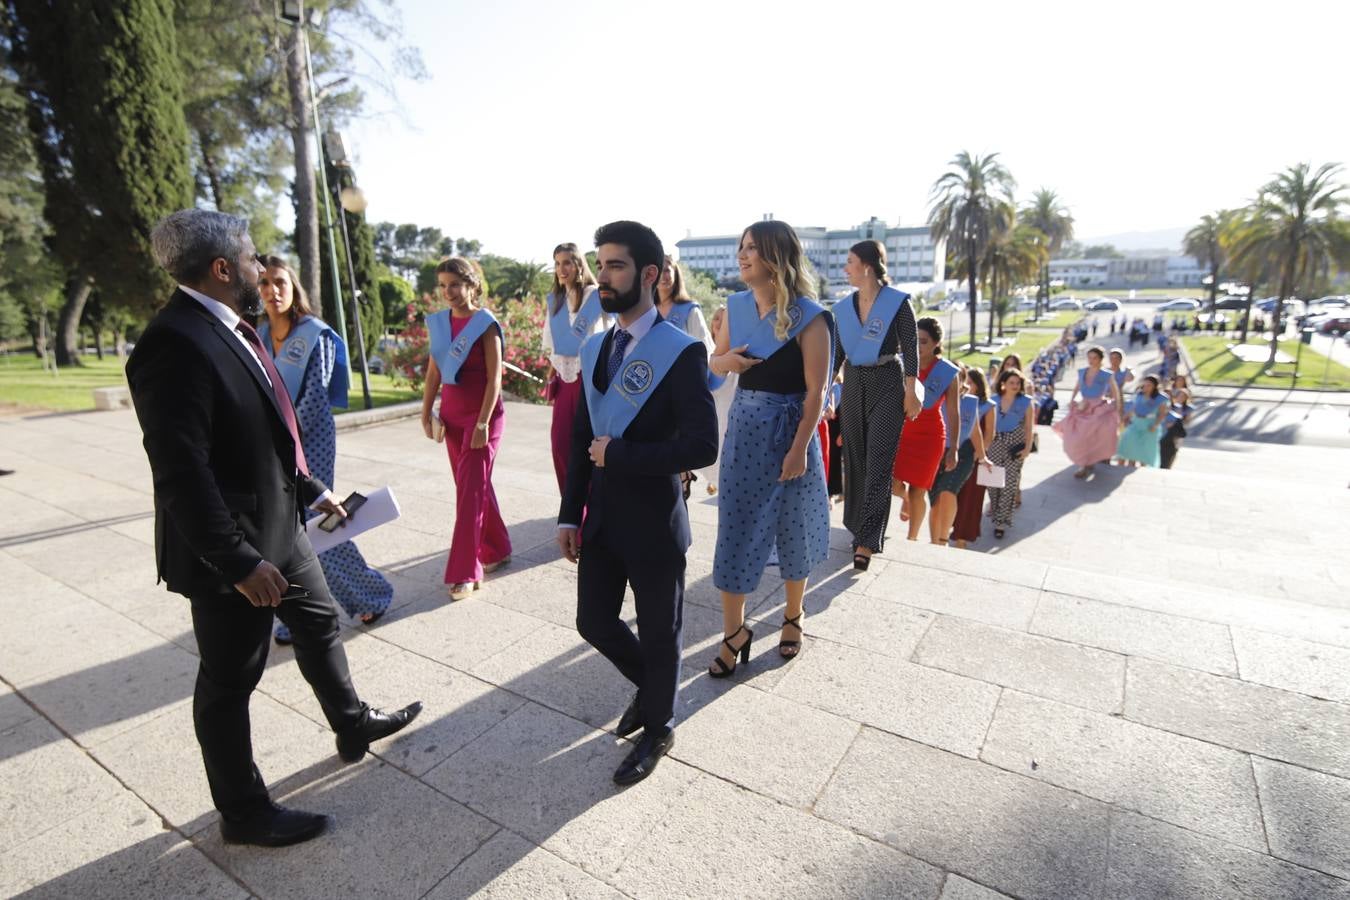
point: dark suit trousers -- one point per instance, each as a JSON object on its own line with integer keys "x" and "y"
{"x": 651, "y": 658}
{"x": 233, "y": 638}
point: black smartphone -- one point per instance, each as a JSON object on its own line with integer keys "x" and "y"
{"x": 353, "y": 502}
{"x": 295, "y": 592}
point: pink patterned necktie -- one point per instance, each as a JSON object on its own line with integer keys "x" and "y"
{"x": 279, "y": 389}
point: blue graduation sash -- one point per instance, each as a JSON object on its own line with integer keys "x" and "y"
{"x": 748, "y": 328}
{"x": 614, "y": 410}
{"x": 862, "y": 343}
{"x": 970, "y": 411}
{"x": 1145, "y": 407}
{"x": 293, "y": 359}
{"x": 939, "y": 379}
{"x": 449, "y": 351}
{"x": 1008, "y": 421}
{"x": 680, "y": 313}
{"x": 567, "y": 336}
{"x": 1098, "y": 388}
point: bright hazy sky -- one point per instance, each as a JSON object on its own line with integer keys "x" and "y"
{"x": 541, "y": 121}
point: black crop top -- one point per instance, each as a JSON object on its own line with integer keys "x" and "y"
{"x": 784, "y": 372}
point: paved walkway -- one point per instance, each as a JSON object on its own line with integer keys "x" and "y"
{"x": 1144, "y": 691}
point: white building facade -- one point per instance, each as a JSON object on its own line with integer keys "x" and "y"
{"x": 1131, "y": 272}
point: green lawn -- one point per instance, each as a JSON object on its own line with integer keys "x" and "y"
{"x": 23, "y": 384}
{"x": 1214, "y": 364}
{"x": 1026, "y": 346}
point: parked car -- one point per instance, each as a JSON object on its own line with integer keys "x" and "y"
{"x": 1268, "y": 305}
{"x": 1181, "y": 304}
{"x": 1331, "y": 302}
{"x": 1066, "y": 303}
{"x": 1231, "y": 302}
{"x": 1103, "y": 304}
{"x": 1337, "y": 325}
{"x": 1026, "y": 303}
{"x": 375, "y": 365}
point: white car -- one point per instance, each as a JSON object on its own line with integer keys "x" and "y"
{"x": 1026, "y": 303}
{"x": 1066, "y": 303}
{"x": 1181, "y": 304}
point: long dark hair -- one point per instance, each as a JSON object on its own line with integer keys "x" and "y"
{"x": 872, "y": 254}
{"x": 1003, "y": 379}
{"x": 678, "y": 294}
{"x": 299, "y": 299}
{"x": 978, "y": 382}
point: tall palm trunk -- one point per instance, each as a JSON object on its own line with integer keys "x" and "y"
{"x": 302, "y": 137}
{"x": 971, "y": 275}
{"x": 1247, "y": 317}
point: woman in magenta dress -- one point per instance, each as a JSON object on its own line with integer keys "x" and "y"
{"x": 924, "y": 444}
{"x": 465, "y": 368}
{"x": 1092, "y": 425}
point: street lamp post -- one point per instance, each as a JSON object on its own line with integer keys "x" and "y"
{"x": 351, "y": 199}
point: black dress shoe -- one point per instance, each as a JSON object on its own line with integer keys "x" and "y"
{"x": 631, "y": 720}
{"x": 353, "y": 742}
{"x": 274, "y": 827}
{"x": 642, "y": 761}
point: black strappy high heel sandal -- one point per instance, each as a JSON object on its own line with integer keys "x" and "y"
{"x": 793, "y": 646}
{"x": 721, "y": 669}
{"x": 687, "y": 479}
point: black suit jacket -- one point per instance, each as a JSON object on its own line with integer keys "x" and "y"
{"x": 636, "y": 499}
{"x": 227, "y": 494}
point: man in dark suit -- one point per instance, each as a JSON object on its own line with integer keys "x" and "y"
{"x": 231, "y": 486}
{"x": 627, "y": 482}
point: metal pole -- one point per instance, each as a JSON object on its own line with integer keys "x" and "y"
{"x": 340, "y": 320}
{"x": 356, "y": 310}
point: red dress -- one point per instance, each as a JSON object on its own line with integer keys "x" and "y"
{"x": 922, "y": 441}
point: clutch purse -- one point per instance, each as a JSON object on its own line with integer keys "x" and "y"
{"x": 992, "y": 477}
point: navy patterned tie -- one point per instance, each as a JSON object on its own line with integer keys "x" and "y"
{"x": 621, "y": 339}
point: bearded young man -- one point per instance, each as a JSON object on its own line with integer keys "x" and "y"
{"x": 647, "y": 417}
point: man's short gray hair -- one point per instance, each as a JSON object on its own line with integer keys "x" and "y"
{"x": 185, "y": 243}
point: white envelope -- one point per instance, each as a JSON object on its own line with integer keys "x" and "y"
{"x": 380, "y": 507}
{"x": 994, "y": 476}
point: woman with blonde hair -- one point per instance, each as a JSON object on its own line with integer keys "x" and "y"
{"x": 312, "y": 362}
{"x": 465, "y": 368}
{"x": 772, "y": 480}
{"x": 574, "y": 314}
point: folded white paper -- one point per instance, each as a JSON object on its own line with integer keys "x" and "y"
{"x": 994, "y": 476}
{"x": 380, "y": 507}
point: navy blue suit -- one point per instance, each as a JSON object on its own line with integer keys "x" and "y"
{"x": 636, "y": 527}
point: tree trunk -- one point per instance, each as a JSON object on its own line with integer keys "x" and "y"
{"x": 78, "y": 289}
{"x": 212, "y": 170}
{"x": 1247, "y": 319}
{"x": 971, "y": 275}
{"x": 98, "y": 341}
{"x": 306, "y": 199}
{"x": 1213, "y": 289}
{"x": 993, "y": 292}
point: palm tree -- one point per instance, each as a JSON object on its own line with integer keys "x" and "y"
{"x": 1255, "y": 270}
{"x": 1295, "y": 225}
{"x": 972, "y": 201}
{"x": 1048, "y": 216}
{"x": 1205, "y": 243}
{"x": 1015, "y": 256}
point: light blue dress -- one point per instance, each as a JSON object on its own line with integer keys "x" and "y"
{"x": 1139, "y": 440}
{"x": 355, "y": 586}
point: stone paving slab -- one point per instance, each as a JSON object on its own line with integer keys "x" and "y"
{"x": 1071, "y": 673}
{"x": 787, "y": 776}
{"x": 1189, "y": 783}
{"x": 1307, "y": 816}
{"x": 1017, "y": 834}
{"x": 1151, "y": 860}
{"x": 1248, "y": 717}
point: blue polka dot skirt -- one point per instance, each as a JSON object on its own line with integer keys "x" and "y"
{"x": 755, "y": 509}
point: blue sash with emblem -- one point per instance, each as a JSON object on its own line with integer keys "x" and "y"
{"x": 568, "y": 335}
{"x": 614, "y": 410}
{"x": 747, "y": 327}
{"x": 862, "y": 342}
{"x": 680, "y": 313}
{"x": 293, "y": 359}
{"x": 939, "y": 378}
{"x": 450, "y": 351}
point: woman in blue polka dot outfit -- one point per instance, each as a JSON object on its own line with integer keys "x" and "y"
{"x": 312, "y": 361}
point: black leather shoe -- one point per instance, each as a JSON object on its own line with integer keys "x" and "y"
{"x": 353, "y": 742}
{"x": 642, "y": 761}
{"x": 631, "y": 720}
{"x": 275, "y": 827}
